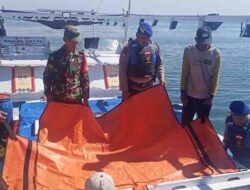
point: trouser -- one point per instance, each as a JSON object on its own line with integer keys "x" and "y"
{"x": 195, "y": 105}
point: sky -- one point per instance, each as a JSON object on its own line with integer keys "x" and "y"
{"x": 163, "y": 7}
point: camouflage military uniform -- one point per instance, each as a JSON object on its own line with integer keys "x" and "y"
{"x": 65, "y": 77}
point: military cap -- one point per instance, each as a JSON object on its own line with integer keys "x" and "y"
{"x": 239, "y": 108}
{"x": 72, "y": 33}
{"x": 145, "y": 28}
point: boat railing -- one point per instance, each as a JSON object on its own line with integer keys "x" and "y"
{"x": 237, "y": 180}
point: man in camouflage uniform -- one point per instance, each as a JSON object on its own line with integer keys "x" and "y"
{"x": 66, "y": 74}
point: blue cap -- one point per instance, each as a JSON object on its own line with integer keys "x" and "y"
{"x": 239, "y": 108}
{"x": 204, "y": 35}
{"x": 145, "y": 28}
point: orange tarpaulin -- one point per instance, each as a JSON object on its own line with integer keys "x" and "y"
{"x": 138, "y": 143}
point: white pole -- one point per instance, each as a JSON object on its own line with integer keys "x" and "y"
{"x": 127, "y": 18}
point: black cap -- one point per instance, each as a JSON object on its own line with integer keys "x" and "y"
{"x": 204, "y": 35}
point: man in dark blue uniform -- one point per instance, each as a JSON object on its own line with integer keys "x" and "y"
{"x": 140, "y": 63}
{"x": 237, "y": 132}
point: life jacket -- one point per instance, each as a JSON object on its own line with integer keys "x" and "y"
{"x": 239, "y": 137}
{"x": 142, "y": 61}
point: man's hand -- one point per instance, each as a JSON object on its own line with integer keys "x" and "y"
{"x": 3, "y": 116}
{"x": 3, "y": 185}
{"x": 49, "y": 98}
{"x": 85, "y": 102}
{"x": 163, "y": 83}
{"x": 125, "y": 95}
{"x": 209, "y": 100}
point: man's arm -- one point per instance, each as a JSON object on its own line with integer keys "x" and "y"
{"x": 3, "y": 116}
{"x": 227, "y": 136}
{"x": 4, "y": 122}
{"x": 123, "y": 72}
{"x": 215, "y": 75}
{"x": 184, "y": 77}
{"x": 159, "y": 66}
{"x": 3, "y": 185}
{"x": 225, "y": 139}
{"x": 47, "y": 78}
{"x": 85, "y": 87}
{"x": 184, "y": 72}
{"x": 84, "y": 80}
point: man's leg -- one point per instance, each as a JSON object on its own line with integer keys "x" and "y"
{"x": 3, "y": 185}
{"x": 188, "y": 112}
{"x": 203, "y": 110}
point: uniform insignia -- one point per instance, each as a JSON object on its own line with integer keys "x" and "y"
{"x": 147, "y": 55}
{"x": 239, "y": 139}
{"x": 207, "y": 62}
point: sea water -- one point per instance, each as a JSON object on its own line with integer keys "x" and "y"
{"x": 235, "y": 66}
